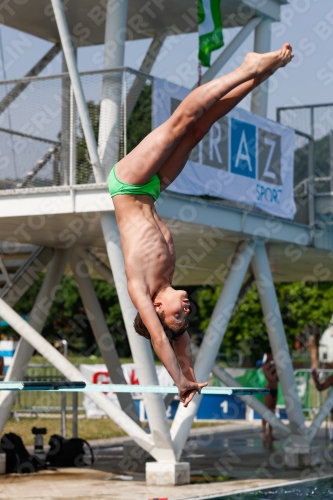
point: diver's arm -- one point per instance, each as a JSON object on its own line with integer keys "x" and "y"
{"x": 187, "y": 387}
{"x": 183, "y": 351}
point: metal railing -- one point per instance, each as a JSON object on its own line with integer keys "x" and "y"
{"x": 34, "y": 402}
{"x": 313, "y": 125}
{"x": 42, "y": 143}
{"x": 311, "y": 398}
{"x": 41, "y": 138}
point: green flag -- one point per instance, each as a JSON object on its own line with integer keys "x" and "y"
{"x": 210, "y": 29}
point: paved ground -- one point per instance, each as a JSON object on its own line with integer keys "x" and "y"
{"x": 234, "y": 452}
{"x": 96, "y": 485}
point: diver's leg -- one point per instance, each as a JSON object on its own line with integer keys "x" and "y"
{"x": 148, "y": 157}
{"x": 178, "y": 158}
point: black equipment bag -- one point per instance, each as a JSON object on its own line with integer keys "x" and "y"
{"x": 17, "y": 457}
{"x": 68, "y": 452}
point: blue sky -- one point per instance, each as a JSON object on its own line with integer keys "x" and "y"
{"x": 306, "y": 24}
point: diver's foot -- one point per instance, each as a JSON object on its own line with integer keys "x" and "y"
{"x": 258, "y": 64}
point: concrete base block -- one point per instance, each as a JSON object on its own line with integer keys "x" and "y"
{"x": 296, "y": 458}
{"x": 167, "y": 474}
{"x": 2, "y": 463}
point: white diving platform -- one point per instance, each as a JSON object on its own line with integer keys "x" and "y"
{"x": 206, "y": 232}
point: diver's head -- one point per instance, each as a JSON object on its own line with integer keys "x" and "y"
{"x": 171, "y": 306}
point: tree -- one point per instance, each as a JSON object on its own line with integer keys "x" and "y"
{"x": 138, "y": 126}
{"x": 304, "y": 307}
{"x": 83, "y": 165}
{"x": 139, "y": 123}
{"x": 69, "y": 320}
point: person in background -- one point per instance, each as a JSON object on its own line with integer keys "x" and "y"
{"x": 269, "y": 368}
{"x": 322, "y": 386}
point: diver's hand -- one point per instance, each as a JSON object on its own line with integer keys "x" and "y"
{"x": 188, "y": 389}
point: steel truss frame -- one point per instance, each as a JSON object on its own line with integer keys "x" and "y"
{"x": 164, "y": 445}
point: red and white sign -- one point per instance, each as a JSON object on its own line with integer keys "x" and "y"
{"x": 98, "y": 374}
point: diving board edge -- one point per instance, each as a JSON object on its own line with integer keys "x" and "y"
{"x": 123, "y": 388}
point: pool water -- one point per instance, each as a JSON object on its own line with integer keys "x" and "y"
{"x": 321, "y": 489}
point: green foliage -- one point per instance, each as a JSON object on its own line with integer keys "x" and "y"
{"x": 303, "y": 306}
{"x": 69, "y": 320}
{"x": 139, "y": 124}
{"x": 84, "y": 168}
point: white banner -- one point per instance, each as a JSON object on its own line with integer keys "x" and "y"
{"x": 244, "y": 157}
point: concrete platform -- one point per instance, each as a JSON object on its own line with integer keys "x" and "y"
{"x": 225, "y": 458}
{"x": 95, "y": 485}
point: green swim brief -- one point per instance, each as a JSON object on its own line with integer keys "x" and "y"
{"x": 152, "y": 187}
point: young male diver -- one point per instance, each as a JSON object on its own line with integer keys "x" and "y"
{"x": 135, "y": 183}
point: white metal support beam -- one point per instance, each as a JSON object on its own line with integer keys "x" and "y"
{"x": 114, "y": 50}
{"x": 26, "y": 275}
{"x": 65, "y": 124}
{"x": 262, "y": 43}
{"x": 212, "y": 340}
{"x": 101, "y": 332}
{"x": 92, "y": 260}
{"x": 4, "y": 271}
{"x": 230, "y": 49}
{"x": 72, "y": 139}
{"x": 82, "y": 107}
{"x": 37, "y": 319}
{"x": 311, "y": 183}
{"x": 251, "y": 401}
{"x": 140, "y": 347}
{"x": 229, "y": 218}
{"x": 278, "y": 342}
{"x": 65, "y": 367}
